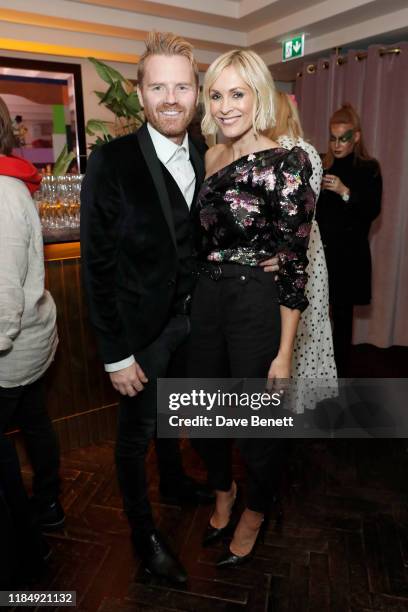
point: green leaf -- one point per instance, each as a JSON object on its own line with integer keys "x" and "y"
{"x": 109, "y": 95}
{"x": 107, "y": 73}
{"x": 115, "y": 99}
{"x": 117, "y": 109}
{"x": 63, "y": 161}
{"x": 99, "y": 94}
{"x": 120, "y": 93}
{"x": 96, "y": 125}
{"x": 132, "y": 104}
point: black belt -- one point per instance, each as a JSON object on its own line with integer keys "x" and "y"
{"x": 217, "y": 271}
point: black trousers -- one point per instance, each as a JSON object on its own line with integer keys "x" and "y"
{"x": 25, "y": 407}
{"x": 235, "y": 331}
{"x": 8, "y": 553}
{"x": 20, "y": 536}
{"x": 137, "y": 424}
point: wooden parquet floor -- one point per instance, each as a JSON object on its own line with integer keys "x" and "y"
{"x": 342, "y": 545}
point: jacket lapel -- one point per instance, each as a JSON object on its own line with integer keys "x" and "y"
{"x": 199, "y": 168}
{"x": 153, "y": 163}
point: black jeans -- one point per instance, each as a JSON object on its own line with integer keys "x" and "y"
{"x": 21, "y": 541}
{"x": 137, "y": 424}
{"x": 235, "y": 331}
{"x": 25, "y": 408}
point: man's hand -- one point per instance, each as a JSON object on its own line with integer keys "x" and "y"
{"x": 129, "y": 381}
{"x": 270, "y": 265}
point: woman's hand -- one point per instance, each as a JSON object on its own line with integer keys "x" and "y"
{"x": 332, "y": 182}
{"x": 279, "y": 373}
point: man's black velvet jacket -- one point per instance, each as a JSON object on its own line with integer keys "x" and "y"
{"x": 128, "y": 244}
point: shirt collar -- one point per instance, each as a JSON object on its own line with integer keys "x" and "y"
{"x": 166, "y": 148}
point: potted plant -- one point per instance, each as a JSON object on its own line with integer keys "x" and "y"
{"x": 121, "y": 99}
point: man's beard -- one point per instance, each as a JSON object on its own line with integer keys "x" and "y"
{"x": 166, "y": 127}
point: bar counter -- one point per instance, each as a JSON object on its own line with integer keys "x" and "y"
{"x": 81, "y": 401}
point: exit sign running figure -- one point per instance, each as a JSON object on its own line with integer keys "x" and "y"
{"x": 294, "y": 47}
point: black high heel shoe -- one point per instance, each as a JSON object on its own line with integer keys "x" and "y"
{"x": 230, "y": 559}
{"x": 214, "y": 534}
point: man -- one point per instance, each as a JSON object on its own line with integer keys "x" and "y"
{"x": 136, "y": 245}
{"x": 136, "y": 256}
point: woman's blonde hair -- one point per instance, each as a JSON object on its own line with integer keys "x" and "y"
{"x": 166, "y": 43}
{"x": 253, "y": 70}
{"x": 7, "y": 138}
{"x": 287, "y": 118}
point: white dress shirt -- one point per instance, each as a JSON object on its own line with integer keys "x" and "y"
{"x": 176, "y": 158}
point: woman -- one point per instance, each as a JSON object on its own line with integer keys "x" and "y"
{"x": 313, "y": 365}
{"x": 256, "y": 202}
{"x": 28, "y": 340}
{"x": 350, "y": 200}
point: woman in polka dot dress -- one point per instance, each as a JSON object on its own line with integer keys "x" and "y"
{"x": 313, "y": 365}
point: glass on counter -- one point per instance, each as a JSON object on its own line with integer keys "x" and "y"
{"x": 58, "y": 201}
{"x": 58, "y": 205}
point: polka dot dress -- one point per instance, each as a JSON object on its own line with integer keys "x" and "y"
{"x": 313, "y": 366}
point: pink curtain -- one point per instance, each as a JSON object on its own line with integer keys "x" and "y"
{"x": 378, "y": 88}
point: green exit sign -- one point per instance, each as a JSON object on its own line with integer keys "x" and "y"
{"x": 294, "y": 47}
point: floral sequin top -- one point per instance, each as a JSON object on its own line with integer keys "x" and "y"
{"x": 258, "y": 206}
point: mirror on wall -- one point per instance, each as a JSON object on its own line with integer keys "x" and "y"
{"x": 46, "y": 105}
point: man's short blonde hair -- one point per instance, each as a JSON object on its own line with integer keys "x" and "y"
{"x": 253, "y": 70}
{"x": 166, "y": 43}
